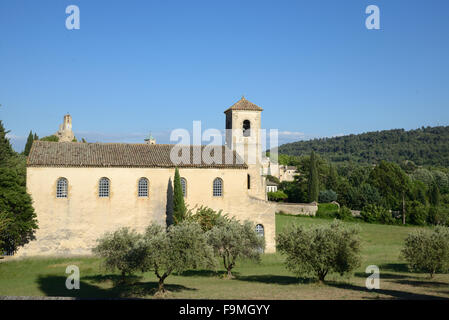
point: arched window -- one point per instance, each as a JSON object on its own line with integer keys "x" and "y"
{"x": 184, "y": 186}
{"x": 143, "y": 188}
{"x": 103, "y": 188}
{"x": 217, "y": 187}
{"x": 246, "y": 128}
{"x": 61, "y": 188}
{"x": 248, "y": 181}
{"x": 260, "y": 231}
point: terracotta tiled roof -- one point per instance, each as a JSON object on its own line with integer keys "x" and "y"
{"x": 76, "y": 154}
{"x": 244, "y": 104}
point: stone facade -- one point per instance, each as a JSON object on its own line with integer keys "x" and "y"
{"x": 282, "y": 172}
{"x": 71, "y": 225}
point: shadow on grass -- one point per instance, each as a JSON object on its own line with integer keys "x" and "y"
{"x": 274, "y": 279}
{"x": 394, "y": 267}
{"x": 114, "y": 278}
{"x": 383, "y": 275}
{"x": 199, "y": 273}
{"x": 392, "y": 293}
{"x": 421, "y": 283}
{"x": 55, "y": 286}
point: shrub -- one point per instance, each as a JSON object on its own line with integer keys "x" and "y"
{"x": 277, "y": 196}
{"x": 273, "y": 179}
{"x": 232, "y": 241}
{"x": 327, "y": 210}
{"x": 327, "y": 196}
{"x": 417, "y": 213}
{"x": 118, "y": 250}
{"x": 428, "y": 250}
{"x": 320, "y": 250}
{"x": 206, "y": 217}
{"x": 51, "y": 138}
{"x": 372, "y": 213}
{"x": 344, "y": 213}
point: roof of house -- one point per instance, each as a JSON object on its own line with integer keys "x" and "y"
{"x": 271, "y": 183}
{"x": 244, "y": 104}
{"x": 77, "y": 154}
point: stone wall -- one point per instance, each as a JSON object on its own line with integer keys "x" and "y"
{"x": 308, "y": 209}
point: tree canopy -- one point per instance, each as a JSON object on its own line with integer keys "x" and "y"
{"x": 423, "y": 146}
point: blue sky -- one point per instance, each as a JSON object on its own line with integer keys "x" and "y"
{"x": 140, "y": 66}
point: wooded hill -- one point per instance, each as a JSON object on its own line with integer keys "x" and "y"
{"x": 423, "y": 146}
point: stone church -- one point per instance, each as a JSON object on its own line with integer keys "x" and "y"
{"x": 82, "y": 190}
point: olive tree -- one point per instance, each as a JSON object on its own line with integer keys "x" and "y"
{"x": 320, "y": 250}
{"x": 232, "y": 240}
{"x": 181, "y": 247}
{"x": 427, "y": 250}
{"x": 119, "y": 250}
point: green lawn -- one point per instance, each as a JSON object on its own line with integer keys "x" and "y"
{"x": 268, "y": 280}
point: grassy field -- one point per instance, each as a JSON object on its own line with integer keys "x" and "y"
{"x": 267, "y": 280}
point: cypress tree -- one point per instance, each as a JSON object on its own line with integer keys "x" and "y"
{"x": 313, "y": 179}
{"x": 169, "y": 206}
{"x": 6, "y": 150}
{"x": 179, "y": 207}
{"x": 28, "y": 144}
{"x": 332, "y": 179}
{"x": 434, "y": 195}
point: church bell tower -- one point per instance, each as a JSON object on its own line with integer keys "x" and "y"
{"x": 243, "y": 135}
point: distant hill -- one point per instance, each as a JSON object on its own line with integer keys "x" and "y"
{"x": 424, "y": 146}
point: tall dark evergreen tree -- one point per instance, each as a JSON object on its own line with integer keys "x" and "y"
{"x": 313, "y": 182}
{"x": 169, "y": 206}
{"x": 16, "y": 203}
{"x": 28, "y": 144}
{"x": 434, "y": 195}
{"x": 179, "y": 207}
{"x": 332, "y": 180}
{"x": 6, "y": 150}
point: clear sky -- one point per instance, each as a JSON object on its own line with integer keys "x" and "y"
{"x": 140, "y": 66}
